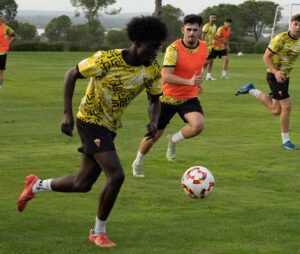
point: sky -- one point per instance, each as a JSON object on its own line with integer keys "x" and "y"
{"x": 187, "y": 6}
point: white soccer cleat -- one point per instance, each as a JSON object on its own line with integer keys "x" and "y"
{"x": 210, "y": 78}
{"x": 171, "y": 151}
{"x": 224, "y": 77}
{"x": 137, "y": 170}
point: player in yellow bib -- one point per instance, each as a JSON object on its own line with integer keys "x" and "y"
{"x": 279, "y": 57}
{"x": 116, "y": 77}
{"x": 208, "y": 35}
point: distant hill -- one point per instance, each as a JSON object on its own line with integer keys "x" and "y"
{"x": 41, "y": 18}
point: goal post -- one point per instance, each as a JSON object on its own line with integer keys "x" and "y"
{"x": 283, "y": 16}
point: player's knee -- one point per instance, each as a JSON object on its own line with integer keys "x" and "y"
{"x": 80, "y": 186}
{"x": 117, "y": 179}
{"x": 197, "y": 129}
{"x": 276, "y": 112}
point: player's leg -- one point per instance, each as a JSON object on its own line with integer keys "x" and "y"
{"x": 192, "y": 114}
{"x": 209, "y": 64}
{"x": 2, "y": 68}
{"x": 286, "y": 107}
{"x": 225, "y": 65}
{"x": 111, "y": 166}
{"x": 144, "y": 147}
{"x": 81, "y": 182}
{"x": 166, "y": 114}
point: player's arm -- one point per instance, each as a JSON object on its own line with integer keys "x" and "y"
{"x": 267, "y": 58}
{"x": 71, "y": 77}
{"x": 153, "y": 112}
{"x": 168, "y": 76}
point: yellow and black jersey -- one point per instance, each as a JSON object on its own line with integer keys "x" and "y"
{"x": 286, "y": 50}
{"x": 113, "y": 84}
{"x": 210, "y": 31}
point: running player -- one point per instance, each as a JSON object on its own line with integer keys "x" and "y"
{"x": 181, "y": 77}
{"x": 116, "y": 77}
{"x": 280, "y": 57}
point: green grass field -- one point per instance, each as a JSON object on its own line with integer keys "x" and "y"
{"x": 255, "y": 204}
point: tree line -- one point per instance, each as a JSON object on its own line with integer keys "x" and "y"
{"x": 250, "y": 18}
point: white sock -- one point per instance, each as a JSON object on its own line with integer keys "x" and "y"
{"x": 100, "y": 226}
{"x": 285, "y": 137}
{"x": 208, "y": 75}
{"x": 177, "y": 137}
{"x": 224, "y": 73}
{"x": 42, "y": 185}
{"x": 139, "y": 160}
{"x": 255, "y": 92}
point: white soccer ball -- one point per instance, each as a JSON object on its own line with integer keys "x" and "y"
{"x": 197, "y": 182}
{"x": 240, "y": 54}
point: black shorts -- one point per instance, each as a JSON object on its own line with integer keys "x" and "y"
{"x": 168, "y": 111}
{"x": 3, "y": 61}
{"x": 279, "y": 91}
{"x": 217, "y": 53}
{"x": 95, "y": 138}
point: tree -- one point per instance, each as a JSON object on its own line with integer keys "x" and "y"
{"x": 256, "y": 15}
{"x": 117, "y": 39}
{"x": 171, "y": 16}
{"x": 10, "y": 8}
{"x": 26, "y": 31}
{"x": 158, "y": 8}
{"x": 92, "y": 7}
{"x": 58, "y": 28}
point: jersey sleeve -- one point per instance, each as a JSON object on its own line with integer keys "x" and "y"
{"x": 93, "y": 66}
{"x": 153, "y": 87}
{"x": 205, "y": 28}
{"x": 276, "y": 44}
{"x": 9, "y": 31}
{"x": 219, "y": 31}
{"x": 171, "y": 56}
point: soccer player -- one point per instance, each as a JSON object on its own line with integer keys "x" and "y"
{"x": 221, "y": 46}
{"x": 116, "y": 77}
{"x": 7, "y": 36}
{"x": 181, "y": 77}
{"x": 208, "y": 34}
{"x": 279, "y": 57}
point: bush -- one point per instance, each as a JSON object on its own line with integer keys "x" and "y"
{"x": 38, "y": 46}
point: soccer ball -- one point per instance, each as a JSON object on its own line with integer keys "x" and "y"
{"x": 197, "y": 182}
{"x": 240, "y": 54}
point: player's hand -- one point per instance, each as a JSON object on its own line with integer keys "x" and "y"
{"x": 196, "y": 79}
{"x": 280, "y": 77}
{"x": 151, "y": 131}
{"x": 67, "y": 124}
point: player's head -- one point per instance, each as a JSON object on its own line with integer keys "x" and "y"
{"x": 227, "y": 22}
{"x": 147, "y": 33}
{"x": 191, "y": 29}
{"x": 212, "y": 18}
{"x": 295, "y": 26}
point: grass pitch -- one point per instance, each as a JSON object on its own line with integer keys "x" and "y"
{"x": 255, "y": 204}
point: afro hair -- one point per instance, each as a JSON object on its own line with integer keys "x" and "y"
{"x": 146, "y": 28}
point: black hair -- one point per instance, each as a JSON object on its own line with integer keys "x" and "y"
{"x": 228, "y": 20}
{"x": 296, "y": 17}
{"x": 146, "y": 28}
{"x": 192, "y": 18}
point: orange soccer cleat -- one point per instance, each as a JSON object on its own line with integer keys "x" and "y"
{"x": 101, "y": 240}
{"x": 27, "y": 193}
